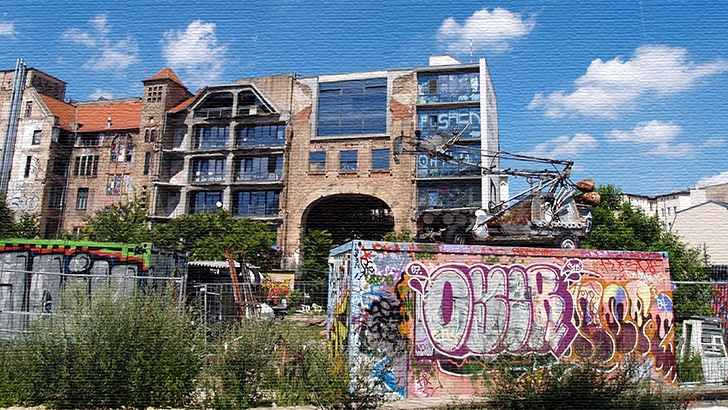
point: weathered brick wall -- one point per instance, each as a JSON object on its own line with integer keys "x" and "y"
{"x": 431, "y": 313}
{"x": 394, "y": 186}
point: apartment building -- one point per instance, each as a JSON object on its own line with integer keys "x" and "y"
{"x": 298, "y": 152}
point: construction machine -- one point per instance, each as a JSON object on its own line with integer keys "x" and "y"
{"x": 551, "y": 212}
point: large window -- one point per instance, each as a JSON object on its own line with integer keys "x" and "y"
{"x": 428, "y": 167}
{"x": 209, "y": 170}
{"x": 352, "y": 107}
{"x": 450, "y": 120}
{"x": 206, "y": 201}
{"x": 122, "y": 148}
{"x": 89, "y": 140}
{"x": 380, "y": 159}
{"x": 86, "y": 166}
{"x": 82, "y": 199}
{"x": 118, "y": 184}
{"x": 317, "y": 161}
{"x": 348, "y": 160}
{"x": 211, "y": 137}
{"x": 260, "y": 168}
{"x": 55, "y": 197}
{"x": 262, "y": 136}
{"x": 452, "y": 195}
{"x": 257, "y": 203}
{"x": 443, "y": 88}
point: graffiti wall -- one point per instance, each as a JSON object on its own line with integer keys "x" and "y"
{"x": 33, "y": 273}
{"x": 427, "y": 318}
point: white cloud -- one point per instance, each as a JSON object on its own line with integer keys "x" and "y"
{"x": 660, "y": 139}
{"x": 196, "y": 51}
{"x": 76, "y": 35}
{"x": 117, "y": 56}
{"x": 721, "y": 178}
{"x": 652, "y": 132}
{"x": 564, "y": 147}
{"x": 487, "y": 30}
{"x": 611, "y": 87}
{"x": 99, "y": 93}
{"x": 7, "y": 29}
{"x": 108, "y": 54}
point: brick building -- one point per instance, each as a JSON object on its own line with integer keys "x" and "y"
{"x": 299, "y": 152}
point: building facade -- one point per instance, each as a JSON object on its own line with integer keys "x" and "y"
{"x": 298, "y": 152}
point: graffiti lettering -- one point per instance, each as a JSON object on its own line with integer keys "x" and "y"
{"x": 485, "y": 310}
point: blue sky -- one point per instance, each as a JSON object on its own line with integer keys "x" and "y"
{"x": 633, "y": 91}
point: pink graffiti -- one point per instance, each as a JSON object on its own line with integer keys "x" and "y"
{"x": 488, "y": 309}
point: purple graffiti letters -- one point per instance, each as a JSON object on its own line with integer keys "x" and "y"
{"x": 482, "y": 309}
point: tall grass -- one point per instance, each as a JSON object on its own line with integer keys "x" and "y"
{"x": 104, "y": 350}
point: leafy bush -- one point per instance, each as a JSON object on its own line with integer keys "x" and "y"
{"x": 576, "y": 386}
{"x": 105, "y": 350}
{"x": 689, "y": 368}
{"x": 239, "y": 365}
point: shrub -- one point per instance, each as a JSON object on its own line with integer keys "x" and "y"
{"x": 105, "y": 350}
{"x": 689, "y": 368}
{"x": 239, "y": 365}
{"x": 576, "y": 386}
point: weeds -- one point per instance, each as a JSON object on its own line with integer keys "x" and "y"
{"x": 104, "y": 350}
{"x": 576, "y": 386}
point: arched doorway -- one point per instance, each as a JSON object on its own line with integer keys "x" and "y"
{"x": 349, "y": 217}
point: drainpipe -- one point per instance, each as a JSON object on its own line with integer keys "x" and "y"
{"x": 11, "y": 129}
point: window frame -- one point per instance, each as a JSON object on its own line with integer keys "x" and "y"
{"x": 82, "y": 201}
{"x": 378, "y": 156}
{"x": 345, "y": 164}
{"x": 37, "y": 135}
{"x": 317, "y": 164}
{"x": 352, "y": 107}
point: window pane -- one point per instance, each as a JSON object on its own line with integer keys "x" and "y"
{"x": 359, "y": 99}
{"x": 380, "y": 159}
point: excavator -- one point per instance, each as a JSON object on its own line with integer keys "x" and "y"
{"x": 552, "y": 212}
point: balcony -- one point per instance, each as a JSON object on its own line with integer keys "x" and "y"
{"x": 205, "y": 113}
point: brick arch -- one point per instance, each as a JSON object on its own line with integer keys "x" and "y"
{"x": 348, "y": 217}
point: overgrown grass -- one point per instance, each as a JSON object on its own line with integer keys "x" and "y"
{"x": 576, "y": 386}
{"x": 104, "y": 350}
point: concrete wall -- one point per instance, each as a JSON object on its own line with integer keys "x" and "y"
{"x": 705, "y": 226}
{"x": 434, "y": 312}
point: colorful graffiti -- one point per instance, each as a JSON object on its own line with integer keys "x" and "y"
{"x": 34, "y": 273}
{"x": 460, "y": 305}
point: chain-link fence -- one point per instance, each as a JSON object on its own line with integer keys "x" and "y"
{"x": 226, "y": 302}
{"x": 24, "y": 295}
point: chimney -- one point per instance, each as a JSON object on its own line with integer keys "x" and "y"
{"x": 108, "y": 122}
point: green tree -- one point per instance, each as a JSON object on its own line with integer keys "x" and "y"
{"x": 125, "y": 222}
{"x": 24, "y": 225}
{"x": 619, "y": 226}
{"x": 207, "y": 236}
{"x": 315, "y": 262}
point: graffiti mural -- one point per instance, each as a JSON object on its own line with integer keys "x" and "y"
{"x": 34, "y": 273}
{"x": 454, "y": 306}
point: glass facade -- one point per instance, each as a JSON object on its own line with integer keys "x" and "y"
{"x": 432, "y": 195}
{"x": 209, "y": 170}
{"x": 205, "y": 201}
{"x": 428, "y": 167}
{"x": 257, "y": 203}
{"x": 211, "y": 137}
{"x": 262, "y": 136}
{"x": 260, "y": 169}
{"x": 450, "y": 120}
{"x": 446, "y": 88}
{"x": 352, "y": 107}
